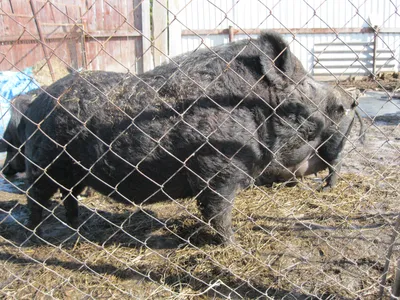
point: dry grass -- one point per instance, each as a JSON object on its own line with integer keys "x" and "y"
{"x": 290, "y": 241}
{"x": 42, "y": 74}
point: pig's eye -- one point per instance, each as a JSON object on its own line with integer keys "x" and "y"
{"x": 340, "y": 109}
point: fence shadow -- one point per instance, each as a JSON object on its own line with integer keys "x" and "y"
{"x": 141, "y": 228}
{"x": 206, "y": 284}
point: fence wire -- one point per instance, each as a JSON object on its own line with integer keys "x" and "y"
{"x": 200, "y": 149}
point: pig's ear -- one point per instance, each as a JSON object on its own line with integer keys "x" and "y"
{"x": 277, "y": 60}
{"x": 3, "y": 145}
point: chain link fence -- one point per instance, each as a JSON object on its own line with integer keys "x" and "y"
{"x": 200, "y": 149}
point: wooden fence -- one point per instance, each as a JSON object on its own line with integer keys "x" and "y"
{"x": 93, "y": 34}
{"x": 136, "y": 35}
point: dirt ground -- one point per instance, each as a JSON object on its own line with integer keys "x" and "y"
{"x": 387, "y": 81}
{"x": 291, "y": 242}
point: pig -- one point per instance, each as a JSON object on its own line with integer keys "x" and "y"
{"x": 328, "y": 155}
{"x": 204, "y": 125}
{"x": 10, "y": 143}
{"x": 13, "y": 144}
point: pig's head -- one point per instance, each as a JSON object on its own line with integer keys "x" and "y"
{"x": 285, "y": 74}
{"x": 341, "y": 110}
{"x": 330, "y": 107}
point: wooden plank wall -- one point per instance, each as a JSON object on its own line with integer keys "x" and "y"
{"x": 92, "y": 34}
{"x": 20, "y": 44}
{"x": 110, "y": 35}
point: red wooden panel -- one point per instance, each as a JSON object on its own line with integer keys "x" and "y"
{"x": 116, "y": 15}
{"x": 117, "y": 54}
{"x": 67, "y": 54}
{"x": 99, "y": 25}
{"x": 74, "y": 14}
{"x": 93, "y": 54}
{"x": 106, "y": 18}
{"x": 20, "y": 56}
{"x": 26, "y": 55}
{"x": 123, "y": 10}
{"x": 127, "y": 52}
{"x": 114, "y": 50}
{"x": 21, "y": 9}
{"x": 5, "y": 6}
{"x": 10, "y": 22}
{"x": 89, "y": 14}
{"x": 4, "y": 64}
{"x": 109, "y": 16}
{"x": 43, "y": 12}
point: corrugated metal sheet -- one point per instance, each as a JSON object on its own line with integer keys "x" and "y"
{"x": 349, "y": 59}
{"x": 201, "y": 14}
{"x": 274, "y": 14}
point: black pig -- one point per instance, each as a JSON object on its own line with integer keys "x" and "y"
{"x": 11, "y": 141}
{"x": 204, "y": 126}
{"x": 327, "y": 155}
{"x": 15, "y": 162}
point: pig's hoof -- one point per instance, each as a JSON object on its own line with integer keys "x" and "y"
{"x": 226, "y": 239}
{"x": 74, "y": 240}
{"x": 34, "y": 240}
{"x": 324, "y": 188}
{"x": 33, "y": 236}
{"x": 34, "y": 226}
{"x": 73, "y": 222}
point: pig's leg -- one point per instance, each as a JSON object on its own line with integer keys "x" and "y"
{"x": 215, "y": 204}
{"x": 333, "y": 157}
{"x": 71, "y": 205}
{"x": 332, "y": 178}
{"x": 39, "y": 192}
{"x": 332, "y": 150}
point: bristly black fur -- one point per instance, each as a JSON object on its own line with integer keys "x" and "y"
{"x": 204, "y": 125}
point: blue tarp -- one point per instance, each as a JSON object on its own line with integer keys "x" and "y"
{"x": 13, "y": 84}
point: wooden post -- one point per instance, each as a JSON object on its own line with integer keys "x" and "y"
{"x": 388, "y": 257}
{"x": 83, "y": 21}
{"x": 72, "y": 39}
{"x": 375, "y": 51}
{"x": 231, "y": 33}
{"x": 42, "y": 39}
{"x": 160, "y": 32}
{"x": 396, "y": 282}
{"x": 143, "y": 44}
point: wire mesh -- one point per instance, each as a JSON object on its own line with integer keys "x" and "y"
{"x": 231, "y": 149}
